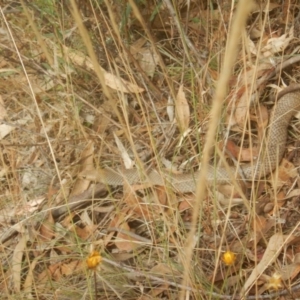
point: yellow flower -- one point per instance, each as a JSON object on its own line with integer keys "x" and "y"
{"x": 228, "y": 258}
{"x": 275, "y": 282}
{"x": 93, "y": 260}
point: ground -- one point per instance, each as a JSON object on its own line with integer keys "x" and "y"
{"x": 91, "y": 87}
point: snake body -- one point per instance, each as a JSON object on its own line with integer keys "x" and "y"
{"x": 270, "y": 156}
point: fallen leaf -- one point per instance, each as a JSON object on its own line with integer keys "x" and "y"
{"x": 186, "y": 204}
{"x": 262, "y": 119}
{"x": 47, "y": 228}
{"x": 3, "y": 112}
{"x": 29, "y": 207}
{"x": 278, "y": 44}
{"x": 39, "y": 84}
{"x": 276, "y": 243}
{"x": 136, "y": 47}
{"x": 86, "y": 160}
{"x": 289, "y": 272}
{"x": 65, "y": 269}
{"x": 170, "y": 109}
{"x": 135, "y": 203}
{"x": 242, "y": 154}
{"x": 154, "y": 292}
{"x": 111, "y": 80}
{"x": 7, "y": 129}
{"x": 85, "y": 232}
{"x": 240, "y": 106}
{"x": 285, "y": 172}
{"x": 245, "y": 94}
{"x": 293, "y": 193}
{"x": 125, "y": 242}
{"x": 279, "y": 202}
{"x": 148, "y": 61}
{"x": 251, "y": 45}
{"x": 227, "y": 201}
{"x": 17, "y": 262}
{"x": 265, "y": 7}
{"x": 27, "y": 286}
{"x": 182, "y": 110}
{"x": 260, "y": 227}
{"x": 116, "y": 222}
{"x": 128, "y": 163}
{"x": 162, "y": 269}
{"x": 120, "y": 84}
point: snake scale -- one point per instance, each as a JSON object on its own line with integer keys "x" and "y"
{"x": 287, "y": 106}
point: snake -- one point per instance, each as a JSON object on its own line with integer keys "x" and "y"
{"x": 288, "y": 104}
{"x": 270, "y": 156}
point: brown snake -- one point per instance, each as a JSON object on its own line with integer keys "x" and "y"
{"x": 270, "y": 156}
{"x": 287, "y": 106}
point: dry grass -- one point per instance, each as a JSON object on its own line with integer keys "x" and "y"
{"x": 65, "y": 112}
